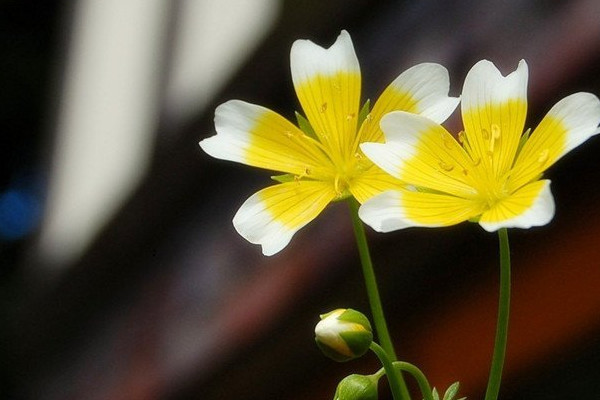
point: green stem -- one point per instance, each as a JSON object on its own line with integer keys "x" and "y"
{"x": 383, "y": 334}
{"x": 419, "y": 377}
{"x": 493, "y": 387}
{"x": 392, "y": 374}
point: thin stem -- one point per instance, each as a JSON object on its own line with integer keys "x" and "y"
{"x": 388, "y": 366}
{"x": 419, "y": 377}
{"x": 493, "y": 387}
{"x": 383, "y": 334}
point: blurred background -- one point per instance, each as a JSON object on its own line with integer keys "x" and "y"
{"x": 121, "y": 276}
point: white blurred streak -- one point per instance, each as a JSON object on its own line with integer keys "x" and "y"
{"x": 106, "y": 120}
{"x": 213, "y": 38}
{"x": 110, "y": 100}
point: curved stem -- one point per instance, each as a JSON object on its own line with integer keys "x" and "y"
{"x": 493, "y": 387}
{"x": 383, "y": 334}
{"x": 388, "y": 366}
{"x": 419, "y": 377}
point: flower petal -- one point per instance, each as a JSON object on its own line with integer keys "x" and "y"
{"x": 422, "y": 89}
{"x": 327, "y": 83}
{"x": 273, "y": 215}
{"x": 254, "y": 135}
{"x": 421, "y": 152}
{"x": 532, "y": 205}
{"x": 569, "y": 123}
{"x": 372, "y": 182}
{"x": 493, "y": 112}
{"x": 399, "y": 209}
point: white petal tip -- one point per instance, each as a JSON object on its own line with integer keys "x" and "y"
{"x": 384, "y": 213}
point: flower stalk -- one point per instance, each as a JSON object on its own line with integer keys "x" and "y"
{"x": 379, "y": 321}
{"x": 493, "y": 386}
{"x": 397, "y": 386}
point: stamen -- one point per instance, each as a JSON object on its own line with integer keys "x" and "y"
{"x": 445, "y": 167}
{"x": 486, "y": 134}
{"x": 495, "y": 136}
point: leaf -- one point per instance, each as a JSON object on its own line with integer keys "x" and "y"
{"x": 364, "y": 111}
{"x": 452, "y": 391}
{"x": 284, "y": 178}
{"x": 524, "y": 138}
{"x": 305, "y": 126}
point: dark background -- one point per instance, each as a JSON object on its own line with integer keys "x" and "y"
{"x": 170, "y": 303}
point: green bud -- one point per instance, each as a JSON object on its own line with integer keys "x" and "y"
{"x": 357, "y": 387}
{"x": 343, "y": 334}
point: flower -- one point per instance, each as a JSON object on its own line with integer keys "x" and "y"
{"x": 343, "y": 334}
{"x": 492, "y": 174}
{"x": 321, "y": 162}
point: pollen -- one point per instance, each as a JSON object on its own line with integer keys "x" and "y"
{"x": 323, "y": 107}
{"x": 350, "y": 116}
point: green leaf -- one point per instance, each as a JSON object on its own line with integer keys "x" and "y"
{"x": 284, "y": 178}
{"x": 524, "y": 139}
{"x": 452, "y": 392}
{"x": 305, "y": 126}
{"x": 364, "y": 111}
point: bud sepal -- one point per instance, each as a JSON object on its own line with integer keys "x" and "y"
{"x": 357, "y": 387}
{"x": 343, "y": 334}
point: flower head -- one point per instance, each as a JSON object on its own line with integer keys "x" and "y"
{"x": 343, "y": 334}
{"x": 492, "y": 173}
{"x": 321, "y": 162}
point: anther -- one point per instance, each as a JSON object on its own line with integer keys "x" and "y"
{"x": 446, "y": 167}
{"x": 447, "y": 142}
{"x": 495, "y": 131}
{"x": 495, "y": 136}
{"x": 486, "y": 134}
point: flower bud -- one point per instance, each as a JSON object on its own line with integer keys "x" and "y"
{"x": 357, "y": 387}
{"x": 343, "y": 334}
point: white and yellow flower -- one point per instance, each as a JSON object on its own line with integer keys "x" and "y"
{"x": 492, "y": 174}
{"x": 322, "y": 161}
